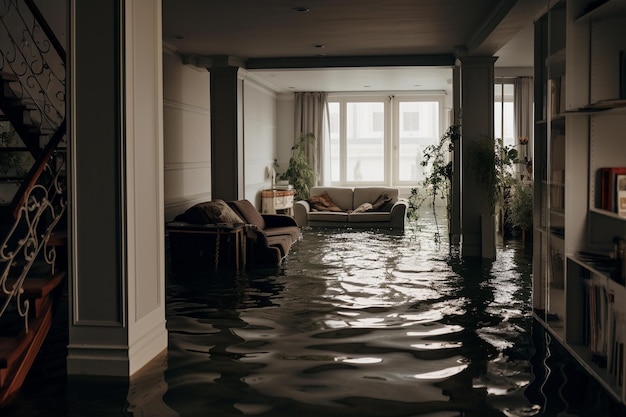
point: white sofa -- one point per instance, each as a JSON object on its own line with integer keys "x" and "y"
{"x": 391, "y": 215}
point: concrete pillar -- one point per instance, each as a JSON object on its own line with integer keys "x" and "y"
{"x": 477, "y": 77}
{"x": 455, "y": 194}
{"x": 227, "y": 157}
{"x": 117, "y": 273}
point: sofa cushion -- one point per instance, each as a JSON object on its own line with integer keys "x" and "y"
{"x": 328, "y": 216}
{"x": 248, "y": 213}
{"x": 215, "y": 211}
{"x": 383, "y": 203}
{"x": 370, "y": 216}
{"x": 362, "y": 208}
{"x": 282, "y": 242}
{"x": 292, "y": 232}
{"x": 323, "y": 202}
{"x": 341, "y": 196}
{"x": 372, "y": 194}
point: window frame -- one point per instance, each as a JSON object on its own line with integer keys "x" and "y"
{"x": 391, "y": 130}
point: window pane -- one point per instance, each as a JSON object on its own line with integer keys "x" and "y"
{"x": 365, "y": 149}
{"x": 419, "y": 128}
{"x": 503, "y": 114}
{"x": 334, "y": 116}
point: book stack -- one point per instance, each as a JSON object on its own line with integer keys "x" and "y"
{"x": 616, "y": 353}
{"x": 557, "y": 95}
{"x": 613, "y": 189}
{"x": 280, "y": 185}
{"x": 557, "y": 189}
{"x": 604, "y": 328}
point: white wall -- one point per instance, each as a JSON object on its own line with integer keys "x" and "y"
{"x": 187, "y": 135}
{"x": 285, "y": 129}
{"x": 260, "y": 115}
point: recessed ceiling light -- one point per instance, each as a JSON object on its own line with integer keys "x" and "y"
{"x": 320, "y": 46}
{"x": 179, "y": 37}
{"x": 366, "y": 86}
{"x": 301, "y": 9}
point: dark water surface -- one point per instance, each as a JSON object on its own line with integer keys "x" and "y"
{"x": 355, "y": 323}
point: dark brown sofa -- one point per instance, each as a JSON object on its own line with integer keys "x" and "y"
{"x": 265, "y": 231}
{"x": 268, "y": 237}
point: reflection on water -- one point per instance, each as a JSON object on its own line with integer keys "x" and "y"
{"x": 356, "y": 323}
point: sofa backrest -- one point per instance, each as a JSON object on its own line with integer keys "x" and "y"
{"x": 341, "y": 196}
{"x": 370, "y": 194}
{"x": 248, "y": 213}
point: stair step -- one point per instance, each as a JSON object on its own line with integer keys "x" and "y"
{"x": 7, "y": 76}
{"x": 58, "y": 238}
{"x": 37, "y": 287}
{"x": 18, "y": 354}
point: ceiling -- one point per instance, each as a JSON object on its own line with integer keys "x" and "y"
{"x": 358, "y": 45}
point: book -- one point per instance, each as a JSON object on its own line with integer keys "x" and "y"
{"x": 609, "y": 187}
{"x": 555, "y": 94}
{"x": 620, "y": 183}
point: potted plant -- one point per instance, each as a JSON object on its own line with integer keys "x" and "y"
{"x": 520, "y": 211}
{"x": 299, "y": 172}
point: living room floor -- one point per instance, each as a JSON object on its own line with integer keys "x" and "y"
{"x": 355, "y": 323}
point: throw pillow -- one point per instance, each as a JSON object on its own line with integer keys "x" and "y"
{"x": 382, "y": 203}
{"x": 323, "y": 202}
{"x": 363, "y": 208}
{"x": 215, "y": 211}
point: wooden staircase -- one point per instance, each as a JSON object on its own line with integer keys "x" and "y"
{"x": 18, "y": 351}
{"x": 33, "y": 245}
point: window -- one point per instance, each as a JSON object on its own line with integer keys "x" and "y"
{"x": 503, "y": 113}
{"x": 419, "y": 128}
{"x": 381, "y": 139}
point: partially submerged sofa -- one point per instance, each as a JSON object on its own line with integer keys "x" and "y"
{"x": 268, "y": 237}
{"x": 359, "y": 207}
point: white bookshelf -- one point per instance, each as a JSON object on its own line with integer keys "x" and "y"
{"x": 586, "y": 134}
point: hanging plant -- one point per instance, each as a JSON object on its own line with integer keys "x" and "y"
{"x": 483, "y": 166}
{"x": 438, "y": 180}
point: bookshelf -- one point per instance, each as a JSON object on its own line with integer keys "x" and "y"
{"x": 578, "y": 285}
{"x": 550, "y": 168}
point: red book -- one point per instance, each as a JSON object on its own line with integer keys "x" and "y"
{"x": 609, "y": 187}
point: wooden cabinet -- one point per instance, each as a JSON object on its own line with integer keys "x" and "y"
{"x": 274, "y": 200}
{"x": 578, "y": 289}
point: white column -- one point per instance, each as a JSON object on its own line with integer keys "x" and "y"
{"x": 117, "y": 272}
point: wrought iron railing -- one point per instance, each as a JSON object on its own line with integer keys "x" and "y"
{"x": 31, "y": 53}
{"x": 35, "y": 61}
{"x": 26, "y": 241}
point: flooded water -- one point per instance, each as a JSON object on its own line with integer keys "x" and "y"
{"x": 355, "y": 323}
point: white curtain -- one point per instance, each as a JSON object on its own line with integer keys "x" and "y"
{"x": 311, "y": 116}
{"x": 523, "y": 110}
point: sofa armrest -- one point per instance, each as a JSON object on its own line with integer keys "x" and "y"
{"x": 278, "y": 220}
{"x": 398, "y": 214}
{"x": 301, "y": 211}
